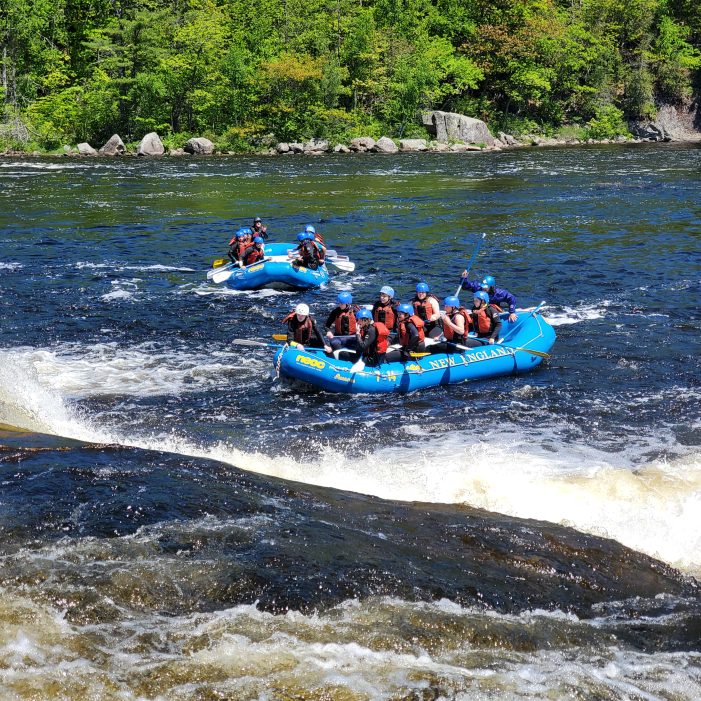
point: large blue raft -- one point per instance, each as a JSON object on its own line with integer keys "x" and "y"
{"x": 277, "y": 271}
{"x": 529, "y": 332}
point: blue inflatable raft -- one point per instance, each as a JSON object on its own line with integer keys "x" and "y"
{"x": 277, "y": 271}
{"x": 530, "y": 332}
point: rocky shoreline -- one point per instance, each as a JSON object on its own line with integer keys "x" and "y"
{"x": 448, "y": 133}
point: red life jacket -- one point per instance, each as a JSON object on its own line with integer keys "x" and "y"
{"x": 404, "y": 332}
{"x": 423, "y": 309}
{"x": 253, "y": 256}
{"x": 449, "y": 333}
{"x": 382, "y": 338}
{"x": 320, "y": 246}
{"x": 385, "y": 314}
{"x": 241, "y": 247}
{"x": 302, "y": 331}
{"x": 480, "y": 322}
{"x": 345, "y": 322}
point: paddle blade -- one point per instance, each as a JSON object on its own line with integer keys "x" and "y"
{"x": 358, "y": 366}
{"x": 279, "y": 336}
{"x": 249, "y": 342}
{"x": 345, "y": 265}
{"x": 540, "y": 354}
{"x": 222, "y": 276}
{"x": 218, "y": 269}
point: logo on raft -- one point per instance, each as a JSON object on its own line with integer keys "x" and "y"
{"x": 337, "y": 376}
{"x": 452, "y": 360}
{"x": 254, "y": 268}
{"x": 311, "y": 362}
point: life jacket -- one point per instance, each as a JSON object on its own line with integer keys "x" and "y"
{"x": 241, "y": 247}
{"x": 302, "y": 330}
{"x": 320, "y": 246}
{"x": 345, "y": 322}
{"x": 252, "y": 255}
{"x": 309, "y": 253}
{"x": 404, "y": 332}
{"x": 382, "y": 342}
{"x": 423, "y": 308}
{"x": 385, "y": 314}
{"x": 480, "y": 322}
{"x": 448, "y": 332}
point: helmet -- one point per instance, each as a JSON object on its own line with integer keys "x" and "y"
{"x": 310, "y": 229}
{"x": 406, "y": 308}
{"x": 344, "y": 298}
{"x": 387, "y": 290}
{"x": 247, "y": 230}
{"x": 302, "y": 236}
{"x": 422, "y": 287}
{"x": 258, "y": 239}
{"x": 302, "y": 309}
{"x": 363, "y": 314}
{"x": 309, "y": 236}
{"x": 257, "y": 219}
{"x": 482, "y": 295}
{"x": 240, "y": 234}
{"x": 451, "y": 302}
{"x": 488, "y": 282}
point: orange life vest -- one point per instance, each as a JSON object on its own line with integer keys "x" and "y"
{"x": 480, "y": 322}
{"x": 345, "y": 322}
{"x": 449, "y": 333}
{"x": 382, "y": 338}
{"x": 320, "y": 246}
{"x": 254, "y": 256}
{"x": 404, "y": 332}
{"x": 302, "y": 330}
{"x": 385, "y": 314}
{"x": 423, "y": 308}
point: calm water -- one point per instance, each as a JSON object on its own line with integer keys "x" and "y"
{"x": 177, "y": 525}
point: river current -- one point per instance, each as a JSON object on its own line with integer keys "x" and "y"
{"x": 176, "y": 524}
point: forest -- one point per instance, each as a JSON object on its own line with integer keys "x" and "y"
{"x": 242, "y": 71}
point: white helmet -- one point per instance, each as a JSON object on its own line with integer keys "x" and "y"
{"x": 302, "y": 309}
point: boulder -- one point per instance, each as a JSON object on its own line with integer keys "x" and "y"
{"x": 199, "y": 146}
{"x": 450, "y": 126}
{"x": 362, "y": 143}
{"x": 296, "y": 147}
{"x": 507, "y": 139}
{"x": 341, "y": 148}
{"x": 385, "y": 145}
{"x": 282, "y": 147}
{"x": 113, "y": 147}
{"x": 151, "y": 145}
{"x": 316, "y": 146}
{"x": 178, "y": 152}
{"x": 438, "y": 146}
{"x": 413, "y": 144}
{"x": 85, "y": 149}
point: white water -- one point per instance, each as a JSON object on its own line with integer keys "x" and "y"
{"x": 653, "y": 507}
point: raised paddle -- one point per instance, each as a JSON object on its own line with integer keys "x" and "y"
{"x": 469, "y": 265}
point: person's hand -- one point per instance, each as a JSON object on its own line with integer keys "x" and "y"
{"x": 329, "y": 334}
{"x": 328, "y": 349}
{"x": 512, "y": 317}
{"x": 464, "y": 274}
{"x": 301, "y": 347}
{"x": 491, "y": 341}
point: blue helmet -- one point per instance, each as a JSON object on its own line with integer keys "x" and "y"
{"x": 488, "y": 282}
{"x": 309, "y": 235}
{"x": 258, "y": 239}
{"x": 452, "y": 302}
{"x": 482, "y": 295}
{"x": 387, "y": 290}
{"x": 422, "y": 287}
{"x": 406, "y": 308}
{"x": 240, "y": 234}
{"x": 344, "y": 298}
{"x": 247, "y": 230}
{"x": 302, "y": 236}
{"x": 363, "y": 314}
{"x": 310, "y": 229}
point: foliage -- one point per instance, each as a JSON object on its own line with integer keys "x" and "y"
{"x": 81, "y": 70}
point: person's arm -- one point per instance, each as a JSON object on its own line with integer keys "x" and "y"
{"x": 331, "y": 323}
{"x": 413, "y": 333}
{"x": 370, "y": 338}
{"x": 319, "y": 338}
{"x": 290, "y": 332}
{"x": 436, "y": 315}
{"x": 511, "y": 301}
{"x": 471, "y": 285}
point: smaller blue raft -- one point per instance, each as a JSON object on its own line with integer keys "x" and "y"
{"x": 277, "y": 271}
{"x": 529, "y": 332}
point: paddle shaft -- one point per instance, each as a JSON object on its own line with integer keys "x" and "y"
{"x": 472, "y": 260}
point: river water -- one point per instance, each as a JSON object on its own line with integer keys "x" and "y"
{"x": 177, "y": 525}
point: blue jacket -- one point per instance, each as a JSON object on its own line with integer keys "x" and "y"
{"x": 500, "y": 295}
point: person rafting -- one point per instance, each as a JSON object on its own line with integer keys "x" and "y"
{"x": 302, "y": 329}
{"x": 456, "y": 322}
{"x": 497, "y": 295}
{"x": 259, "y": 229}
{"x": 254, "y": 252}
{"x": 484, "y": 317}
{"x": 427, "y": 308}
{"x": 372, "y": 338}
{"x": 307, "y": 252}
{"x": 342, "y": 322}
{"x": 384, "y": 309}
{"x": 410, "y": 331}
{"x": 318, "y": 241}
{"x": 237, "y": 246}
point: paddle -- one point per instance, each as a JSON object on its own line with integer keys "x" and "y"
{"x": 516, "y": 326}
{"x": 250, "y": 342}
{"x": 345, "y": 265}
{"x": 540, "y": 354}
{"x": 220, "y": 276}
{"x": 219, "y": 268}
{"x": 469, "y": 265}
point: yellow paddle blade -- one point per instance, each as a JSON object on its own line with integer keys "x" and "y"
{"x": 280, "y": 336}
{"x": 540, "y": 354}
{"x": 419, "y": 355}
{"x": 218, "y": 262}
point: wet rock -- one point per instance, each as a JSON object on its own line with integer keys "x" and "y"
{"x": 385, "y": 145}
{"x": 113, "y": 147}
{"x": 151, "y": 145}
{"x": 341, "y": 148}
{"x": 413, "y": 145}
{"x": 451, "y": 126}
{"x": 178, "y": 152}
{"x": 86, "y": 149}
{"x": 199, "y": 146}
{"x": 282, "y": 147}
{"x": 316, "y": 146}
{"x": 362, "y": 143}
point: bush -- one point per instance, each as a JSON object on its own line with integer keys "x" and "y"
{"x": 607, "y": 123}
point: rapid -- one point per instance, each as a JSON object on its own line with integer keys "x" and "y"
{"x": 177, "y": 524}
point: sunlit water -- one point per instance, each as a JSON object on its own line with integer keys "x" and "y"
{"x": 140, "y": 562}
